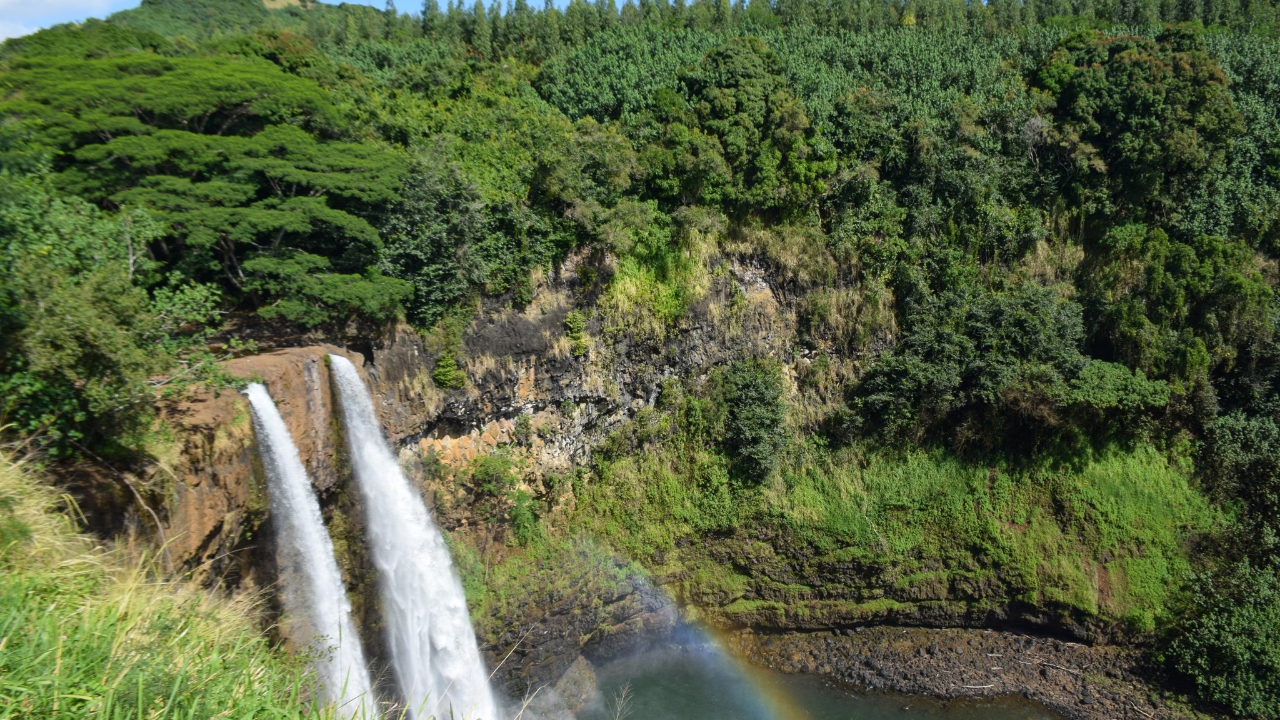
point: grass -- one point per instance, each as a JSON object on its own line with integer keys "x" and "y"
{"x": 655, "y": 283}
{"x": 88, "y": 632}
{"x": 1108, "y": 537}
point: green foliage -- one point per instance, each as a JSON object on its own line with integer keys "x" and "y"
{"x": 1105, "y": 538}
{"x": 1113, "y": 389}
{"x": 194, "y": 18}
{"x": 523, "y": 517}
{"x": 756, "y": 414}
{"x": 214, "y": 148}
{"x": 91, "y": 634}
{"x": 776, "y": 160}
{"x": 1173, "y": 309}
{"x": 84, "y": 339}
{"x": 1229, "y": 649}
{"x": 617, "y": 74}
{"x": 993, "y": 369}
{"x": 447, "y": 374}
{"x": 523, "y": 431}
{"x": 305, "y": 294}
{"x": 93, "y": 38}
{"x": 494, "y": 473}
{"x": 1241, "y": 465}
{"x": 575, "y": 324}
{"x": 1138, "y": 120}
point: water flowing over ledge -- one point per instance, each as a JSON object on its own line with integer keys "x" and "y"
{"x": 313, "y": 591}
{"x": 433, "y": 646}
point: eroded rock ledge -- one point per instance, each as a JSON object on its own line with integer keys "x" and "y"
{"x": 1078, "y": 681}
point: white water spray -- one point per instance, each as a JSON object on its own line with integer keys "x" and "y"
{"x": 433, "y": 647}
{"x": 313, "y": 592}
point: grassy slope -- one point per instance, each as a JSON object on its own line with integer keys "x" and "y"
{"x": 86, "y": 633}
{"x": 1107, "y": 539}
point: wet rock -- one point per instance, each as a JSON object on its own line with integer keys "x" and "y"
{"x": 1067, "y": 678}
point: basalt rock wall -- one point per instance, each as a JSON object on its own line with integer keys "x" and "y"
{"x": 215, "y": 510}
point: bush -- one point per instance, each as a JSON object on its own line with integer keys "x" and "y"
{"x": 754, "y": 429}
{"x": 575, "y": 324}
{"x": 447, "y": 374}
{"x": 83, "y": 338}
{"x": 978, "y": 355}
{"x": 1229, "y": 648}
{"x": 494, "y": 474}
{"x": 1240, "y": 464}
{"x": 523, "y": 431}
{"x": 523, "y": 516}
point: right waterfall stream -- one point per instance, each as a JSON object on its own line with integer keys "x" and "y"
{"x": 433, "y": 646}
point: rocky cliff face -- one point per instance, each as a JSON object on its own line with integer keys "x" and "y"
{"x": 214, "y": 501}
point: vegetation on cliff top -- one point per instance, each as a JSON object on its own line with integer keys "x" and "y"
{"x": 1031, "y": 249}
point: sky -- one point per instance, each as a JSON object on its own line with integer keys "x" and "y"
{"x": 20, "y": 17}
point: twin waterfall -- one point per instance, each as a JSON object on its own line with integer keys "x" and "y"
{"x": 433, "y": 649}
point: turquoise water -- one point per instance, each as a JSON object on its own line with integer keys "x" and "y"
{"x": 699, "y": 683}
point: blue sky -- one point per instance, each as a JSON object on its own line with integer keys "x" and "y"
{"x": 19, "y": 17}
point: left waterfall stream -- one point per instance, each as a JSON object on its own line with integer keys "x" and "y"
{"x": 314, "y": 596}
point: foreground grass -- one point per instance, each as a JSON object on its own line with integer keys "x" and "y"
{"x": 85, "y": 632}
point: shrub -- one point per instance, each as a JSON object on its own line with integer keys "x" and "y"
{"x": 1229, "y": 648}
{"x": 447, "y": 374}
{"x": 575, "y": 324}
{"x": 523, "y": 516}
{"x": 494, "y": 474}
{"x": 524, "y": 429}
{"x": 756, "y": 413}
{"x": 974, "y": 353}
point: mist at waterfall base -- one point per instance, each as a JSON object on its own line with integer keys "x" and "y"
{"x": 433, "y": 647}
{"x": 693, "y": 678}
{"x": 314, "y": 596}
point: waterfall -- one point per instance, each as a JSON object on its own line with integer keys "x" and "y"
{"x": 433, "y": 647}
{"x": 313, "y": 591}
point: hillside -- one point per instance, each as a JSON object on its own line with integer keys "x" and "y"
{"x": 797, "y": 317}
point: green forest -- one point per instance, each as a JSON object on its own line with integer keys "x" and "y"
{"x": 1032, "y": 246}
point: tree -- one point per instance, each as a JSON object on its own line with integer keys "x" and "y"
{"x": 481, "y": 33}
{"x": 732, "y": 135}
{"x": 1173, "y": 309}
{"x": 1228, "y": 646}
{"x": 1240, "y": 464}
{"x": 83, "y": 337}
{"x": 756, "y": 415}
{"x": 1138, "y": 122}
{"x": 230, "y": 156}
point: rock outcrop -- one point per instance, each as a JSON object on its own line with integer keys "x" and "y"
{"x": 1074, "y": 680}
{"x": 214, "y": 498}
